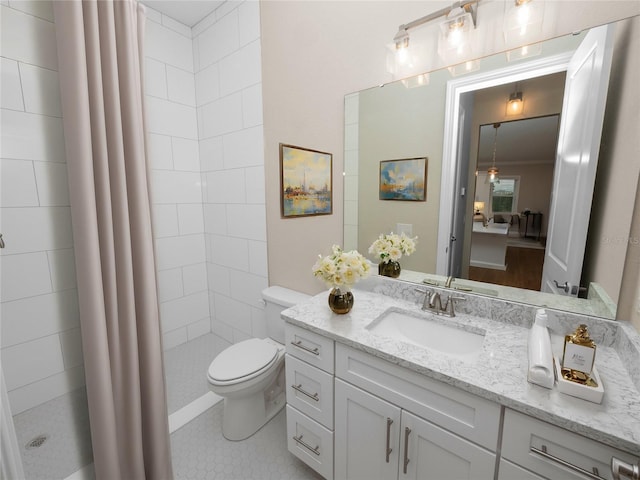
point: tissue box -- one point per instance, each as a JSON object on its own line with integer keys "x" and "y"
{"x": 592, "y": 394}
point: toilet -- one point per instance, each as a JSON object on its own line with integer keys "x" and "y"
{"x": 249, "y": 375}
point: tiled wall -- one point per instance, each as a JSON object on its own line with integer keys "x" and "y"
{"x": 227, "y": 61}
{"x": 176, "y": 189}
{"x": 204, "y": 100}
{"x": 41, "y": 347}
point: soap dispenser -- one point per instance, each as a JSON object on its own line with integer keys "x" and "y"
{"x": 541, "y": 371}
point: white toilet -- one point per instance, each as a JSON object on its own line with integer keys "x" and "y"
{"x": 250, "y": 374}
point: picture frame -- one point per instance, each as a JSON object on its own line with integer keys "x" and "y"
{"x": 305, "y": 182}
{"x": 404, "y": 179}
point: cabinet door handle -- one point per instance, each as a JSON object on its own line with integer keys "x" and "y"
{"x": 542, "y": 451}
{"x": 620, "y": 469}
{"x": 389, "y": 449}
{"x": 407, "y": 431}
{"x": 299, "y": 344}
{"x": 312, "y": 396}
{"x": 315, "y": 451}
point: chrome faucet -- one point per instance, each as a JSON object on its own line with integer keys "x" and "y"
{"x": 433, "y": 303}
{"x": 447, "y": 283}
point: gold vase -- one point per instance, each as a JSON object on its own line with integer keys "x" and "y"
{"x": 389, "y": 269}
{"x": 340, "y": 300}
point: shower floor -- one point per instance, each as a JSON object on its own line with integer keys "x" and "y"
{"x": 199, "y": 451}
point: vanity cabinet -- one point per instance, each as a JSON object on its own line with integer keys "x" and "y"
{"x": 376, "y": 439}
{"x": 554, "y": 453}
{"x": 394, "y": 423}
{"x": 309, "y": 369}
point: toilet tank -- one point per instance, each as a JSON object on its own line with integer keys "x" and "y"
{"x": 278, "y": 299}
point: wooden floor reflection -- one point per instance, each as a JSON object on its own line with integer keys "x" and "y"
{"x": 524, "y": 269}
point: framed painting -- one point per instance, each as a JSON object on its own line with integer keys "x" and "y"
{"x": 305, "y": 182}
{"x": 404, "y": 179}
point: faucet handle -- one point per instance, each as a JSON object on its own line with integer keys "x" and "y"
{"x": 450, "y": 301}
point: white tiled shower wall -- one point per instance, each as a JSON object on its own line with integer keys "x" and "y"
{"x": 205, "y": 120}
{"x": 41, "y": 347}
{"x": 209, "y": 207}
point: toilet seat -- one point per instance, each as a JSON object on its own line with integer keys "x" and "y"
{"x": 243, "y": 361}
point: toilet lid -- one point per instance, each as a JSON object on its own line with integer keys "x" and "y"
{"x": 242, "y": 359}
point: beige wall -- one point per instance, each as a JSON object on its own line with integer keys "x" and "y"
{"x": 316, "y": 52}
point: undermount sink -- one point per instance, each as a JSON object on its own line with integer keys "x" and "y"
{"x": 429, "y": 332}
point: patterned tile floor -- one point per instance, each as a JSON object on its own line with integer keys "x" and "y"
{"x": 65, "y": 420}
{"x": 200, "y": 452}
{"x": 185, "y": 368}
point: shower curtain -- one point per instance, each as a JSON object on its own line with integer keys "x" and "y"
{"x": 99, "y": 55}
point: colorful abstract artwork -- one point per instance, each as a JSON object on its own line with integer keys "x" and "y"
{"x": 305, "y": 182}
{"x": 404, "y": 179}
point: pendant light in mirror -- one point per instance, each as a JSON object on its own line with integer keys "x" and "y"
{"x": 492, "y": 172}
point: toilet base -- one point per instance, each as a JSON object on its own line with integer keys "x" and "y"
{"x": 242, "y": 417}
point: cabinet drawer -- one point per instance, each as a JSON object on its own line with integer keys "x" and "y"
{"x": 467, "y": 415}
{"x": 310, "y": 390}
{"x": 310, "y": 442}
{"x": 310, "y": 347}
{"x": 511, "y": 471}
{"x": 553, "y": 452}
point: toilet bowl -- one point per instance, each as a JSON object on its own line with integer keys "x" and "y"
{"x": 249, "y": 375}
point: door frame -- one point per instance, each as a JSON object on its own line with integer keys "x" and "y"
{"x": 455, "y": 88}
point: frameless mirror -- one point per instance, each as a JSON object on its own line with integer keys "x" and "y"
{"x": 405, "y": 119}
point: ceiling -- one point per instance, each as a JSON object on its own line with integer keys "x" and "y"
{"x": 520, "y": 142}
{"x": 187, "y": 12}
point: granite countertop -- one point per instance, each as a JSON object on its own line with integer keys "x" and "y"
{"x": 498, "y": 373}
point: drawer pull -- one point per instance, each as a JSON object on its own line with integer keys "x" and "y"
{"x": 315, "y": 451}
{"x": 543, "y": 453}
{"x": 407, "y": 431}
{"x": 298, "y": 388}
{"x": 620, "y": 469}
{"x": 299, "y": 344}
{"x": 389, "y": 449}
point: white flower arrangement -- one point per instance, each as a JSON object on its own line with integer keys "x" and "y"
{"x": 341, "y": 269}
{"x": 391, "y": 247}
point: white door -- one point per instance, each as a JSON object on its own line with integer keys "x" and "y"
{"x": 366, "y": 435}
{"x": 430, "y": 452}
{"x": 576, "y": 161}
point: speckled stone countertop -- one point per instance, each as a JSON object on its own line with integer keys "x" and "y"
{"x": 499, "y": 371}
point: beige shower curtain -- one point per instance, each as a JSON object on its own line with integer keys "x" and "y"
{"x": 99, "y": 56}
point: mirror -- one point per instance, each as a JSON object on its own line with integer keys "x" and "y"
{"x": 403, "y": 120}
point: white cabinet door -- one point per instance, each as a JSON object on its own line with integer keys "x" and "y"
{"x": 366, "y": 435}
{"x": 429, "y": 452}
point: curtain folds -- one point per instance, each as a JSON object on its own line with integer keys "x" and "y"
{"x": 99, "y": 56}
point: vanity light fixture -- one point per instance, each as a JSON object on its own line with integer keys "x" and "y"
{"x": 492, "y": 173}
{"x": 515, "y": 105}
{"x": 460, "y": 19}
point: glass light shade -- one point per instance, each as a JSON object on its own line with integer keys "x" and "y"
{"x": 515, "y": 105}
{"x": 523, "y": 21}
{"x": 454, "y": 43}
{"x": 492, "y": 174}
{"x": 525, "y": 51}
{"x": 416, "y": 81}
{"x": 464, "y": 67}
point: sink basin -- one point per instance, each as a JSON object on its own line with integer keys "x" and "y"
{"x": 436, "y": 333}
